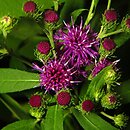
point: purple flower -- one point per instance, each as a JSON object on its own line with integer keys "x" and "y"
{"x": 55, "y": 75}
{"x": 87, "y": 105}
{"x": 100, "y": 65}
{"x": 35, "y": 101}
{"x": 80, "y": 44}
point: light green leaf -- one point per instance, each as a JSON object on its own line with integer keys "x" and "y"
{"x": 124, "y": 91}
{"x": 21, "y": 125}
{"x": 54, "y": 119}
{"x": 13, "y": 80}
{"x": 91, "y": 121}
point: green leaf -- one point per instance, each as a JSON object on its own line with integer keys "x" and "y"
{"x": 76, "y": 13}
{"x": 21, "y": 125}
{"x": 13, "y": 80}
{"x": 91, "y": 121}
{"x": 69, "y": 7}
{"x": 121, "y": 39}
{"x": 124, "y": 91}
{"x": 54, "y": 119}
{"x": 96, "y": 84}
{"x": 14, "y": 107}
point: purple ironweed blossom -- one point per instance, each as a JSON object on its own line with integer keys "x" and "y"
{"x": 80, "y": 44}
{"x": 87, "y": 105}
{"x": 100, "y": 65}
{"x": 35, "y": 101}
{"x": 56, "y": 76}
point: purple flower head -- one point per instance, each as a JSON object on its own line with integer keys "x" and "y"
{"x": 35, "y": 101}
{"x": 51, "y": 16}
{"x": 128, "y": 22}
{"x": 29, "y": 7}
{"x": 80, "y": 44}
{"x": 110, "y": 15}
{"x": 100, "y": 65}
{"x": 56, "y": 76}
{"x": 109, "y": 44}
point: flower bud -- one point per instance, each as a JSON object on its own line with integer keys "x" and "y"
{"x": 50, "y": 16}
{"x": 110, "y": 15}
{"x": 29, "y": 7}
{"x": 43, "y": 47}
{"x": 63, "y": 98}
{"x": 6, "y": 21}
{"x": 110, "y": 101}
{"x": 108, "y": 44}
{"x": 87, "y": 105}
{"x": 120, "y": 120}
{"x": 35, "y": 101}
{"x": 128, "y": 23}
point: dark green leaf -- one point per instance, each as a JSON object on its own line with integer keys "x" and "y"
{"x": 14, "y": 107}
{"x": 120, "y": 39}
{"x": 13, "y": 80}
{"x": 91, "y": 121}
{"x": 54, "y": 119}
{"x": 124, "y": 91}
{"x": 76, "y": 13}
{"x": 21, "y": 125}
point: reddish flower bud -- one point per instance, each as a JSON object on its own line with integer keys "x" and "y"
{"x": 87, "y": 105}
{"x": 128, "y": 22}
{"x": 110, "y": 15}
{"x": 112, "y": 99}
{"x": 35, "y": 101}
{"x": 50, "y": 16}
{"x": 43, "y": 47}
{"x": 63, "y": 98}
{"x": 29, "y": 6}
{"x": 109, "y": 44}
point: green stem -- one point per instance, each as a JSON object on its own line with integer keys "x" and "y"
{"x": 91, "y": 11}
{"x": 106, "y": 115}
{"x": 50, "y": 36}
{"x": 109, "y": 4}
{"x": 55, "y": 4}
{"x": 102, "y": 35}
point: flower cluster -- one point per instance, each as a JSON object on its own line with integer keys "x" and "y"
{"x": 74, "y": 52}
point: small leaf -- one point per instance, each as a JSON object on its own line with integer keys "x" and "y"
{"x": 91, "y": 121}
{"x": 21, "y": 125}
{"x": 13, "y": 80}
{"x": 54, "y": 119}
{"x": 124, "y": 91}
{"x": 76, "y": 13}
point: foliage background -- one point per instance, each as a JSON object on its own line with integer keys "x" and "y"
{"x": 26, "y": 34}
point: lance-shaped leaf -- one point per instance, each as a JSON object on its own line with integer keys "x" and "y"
{"x": 13, "y": 80}
{"x": 21, "y": 125}
{"x": 91, "y": 121}
{"x": 54, "y": 119}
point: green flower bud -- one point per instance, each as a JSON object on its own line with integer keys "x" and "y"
{"x": 110, "y": 101}
{"x": 120, "y": 120}
{"x": 6, "y": 21}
